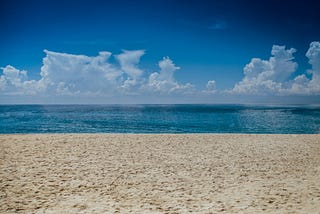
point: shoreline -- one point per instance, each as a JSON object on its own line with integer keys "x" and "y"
{"x": 160, "y": 173}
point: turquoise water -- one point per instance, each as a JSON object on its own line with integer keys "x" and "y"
{"x": 158, "y": 119}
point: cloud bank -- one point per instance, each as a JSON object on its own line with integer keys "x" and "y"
{"x": 69, "y": 74}
{"x": 64, "y": 74}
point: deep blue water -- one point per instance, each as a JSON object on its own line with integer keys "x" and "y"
{"x": 158, "y": 119}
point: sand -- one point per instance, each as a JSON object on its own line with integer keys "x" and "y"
{"x": 110, "y": 173}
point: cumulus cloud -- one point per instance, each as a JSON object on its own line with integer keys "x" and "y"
{"x": 314, "y": 59}
{"x": 129, "y": 61}
{"x": 300, "y": 85}
{"x": 74, "y": 74}
{"x": 12, "y": 78}
{"x": 210, "y": 87}
{"x": 266, "y": 76}
{"x": 15, "y": 82}
{"x": 273, "y": 76}
{"x": 164, "y": 82}
{"x": 70, "y": 74}
{"x": 303, "y": 85}
{"x": 64, "y": 74}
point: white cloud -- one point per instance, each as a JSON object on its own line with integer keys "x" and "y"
{"x": 66, "y": 75}
{"x": 267, "y": 76}
{"x": 133, "y": 77}
{"x": 129, "y": 61}
{"x": 314, "y": 59}
{"x": 301, "y": 85}
{"x": 12, "y": 78}
{"x": 73, "y": 74}
{"x": 210, "y": 87}
{"x": 15, "y": 82}
{"x": 273, "y": 76}
{"x": 70, "y": 74}
{"x": 164, "y": 81}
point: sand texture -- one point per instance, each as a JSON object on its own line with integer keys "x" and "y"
{"x": 109, "y": 173}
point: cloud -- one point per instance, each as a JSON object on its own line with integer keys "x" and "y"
{"x": 67, "y": 74}
{"x": 164, "y": 82}
{"x": 15, "y": 82}
{"x": 210, "y": 87}
{"x": 302, "y": 85}
{"x": 12, "y": 78}
{"x": 314, "y": 59}
{"x": 129, "y": 61}
{"x": 267, "y": 76}
{"x": 64, "y": 74}
{"x": 273, "y": 76}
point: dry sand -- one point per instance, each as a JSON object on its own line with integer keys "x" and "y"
{"x": 108, "y": 173}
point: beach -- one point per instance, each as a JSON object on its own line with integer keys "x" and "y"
{"x": 159, "y": 173}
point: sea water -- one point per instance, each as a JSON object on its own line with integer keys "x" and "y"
{"x": 159, "y": 119}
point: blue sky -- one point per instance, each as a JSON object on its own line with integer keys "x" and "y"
{"x": 211, "y": 42}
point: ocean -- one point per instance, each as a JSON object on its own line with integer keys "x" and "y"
{"x": 159, "y": 119}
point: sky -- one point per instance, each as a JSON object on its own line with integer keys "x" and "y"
{"x": 159, "y": 51}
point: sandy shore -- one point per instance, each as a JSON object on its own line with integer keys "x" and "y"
{"x": 83, "y": 173}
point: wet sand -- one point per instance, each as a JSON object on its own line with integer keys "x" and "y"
{"x": 196, "y": 173}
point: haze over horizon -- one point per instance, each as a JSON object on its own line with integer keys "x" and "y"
{"x": 102, "y": 52}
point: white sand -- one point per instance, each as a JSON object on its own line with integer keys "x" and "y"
{"x": 84, "y": 173}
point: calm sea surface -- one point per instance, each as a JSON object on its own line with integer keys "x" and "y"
{"x": 158, "y": 119}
